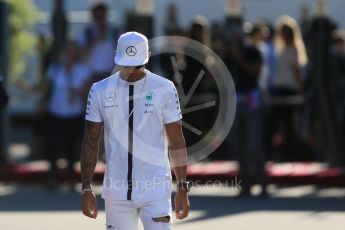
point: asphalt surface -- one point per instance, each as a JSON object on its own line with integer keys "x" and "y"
{"x": 215, "y": 207}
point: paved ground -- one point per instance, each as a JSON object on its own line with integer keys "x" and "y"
{"x": 304, "y": 207}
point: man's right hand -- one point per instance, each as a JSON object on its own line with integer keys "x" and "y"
{"x": 89, "y": 204}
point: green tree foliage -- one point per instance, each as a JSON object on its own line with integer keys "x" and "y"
{"x": 22, "y": 15}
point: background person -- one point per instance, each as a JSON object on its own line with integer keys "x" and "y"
{"x": 337, "y": 88}
{"x": 99, "y": 42}
{"x": 246, "y": 137}
{"x": 288, "y": 81}
{"x": 64, "y": 102}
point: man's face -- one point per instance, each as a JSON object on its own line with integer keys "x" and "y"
{"x": 131, "y": 73}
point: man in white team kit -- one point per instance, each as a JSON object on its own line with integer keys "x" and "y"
{"x": 141, "y": 116}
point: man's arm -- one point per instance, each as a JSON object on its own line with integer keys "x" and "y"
{"x": 178, "y": 159}
{"x": 88, "y": 161}
{"x": 89, "y": 151}
{"x": 177, "y": 150}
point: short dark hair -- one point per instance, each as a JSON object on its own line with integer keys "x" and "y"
{"x": 99, "y": 6}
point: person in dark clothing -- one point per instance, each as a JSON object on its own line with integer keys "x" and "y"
{"x": 337, "y": 88}
{"x": 247, "y": 136}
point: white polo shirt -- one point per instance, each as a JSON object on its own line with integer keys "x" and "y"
{"x": 136, "y": 146}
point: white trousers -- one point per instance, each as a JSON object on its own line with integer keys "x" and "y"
{"x": 124, "y": 215}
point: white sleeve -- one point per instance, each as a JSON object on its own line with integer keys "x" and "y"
{"x": 93, "y": 111}
{"x": 172, "y": 109}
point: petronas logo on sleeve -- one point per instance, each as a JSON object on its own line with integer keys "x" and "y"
{"x": 149, "y": 96}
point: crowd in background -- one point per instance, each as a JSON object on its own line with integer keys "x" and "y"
{"x": 276, "y": 117}
{"x": 286, "y": 110}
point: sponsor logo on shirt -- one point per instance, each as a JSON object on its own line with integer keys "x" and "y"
{"x": 110, "y": 97}
{"x": 149, "y": 96}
